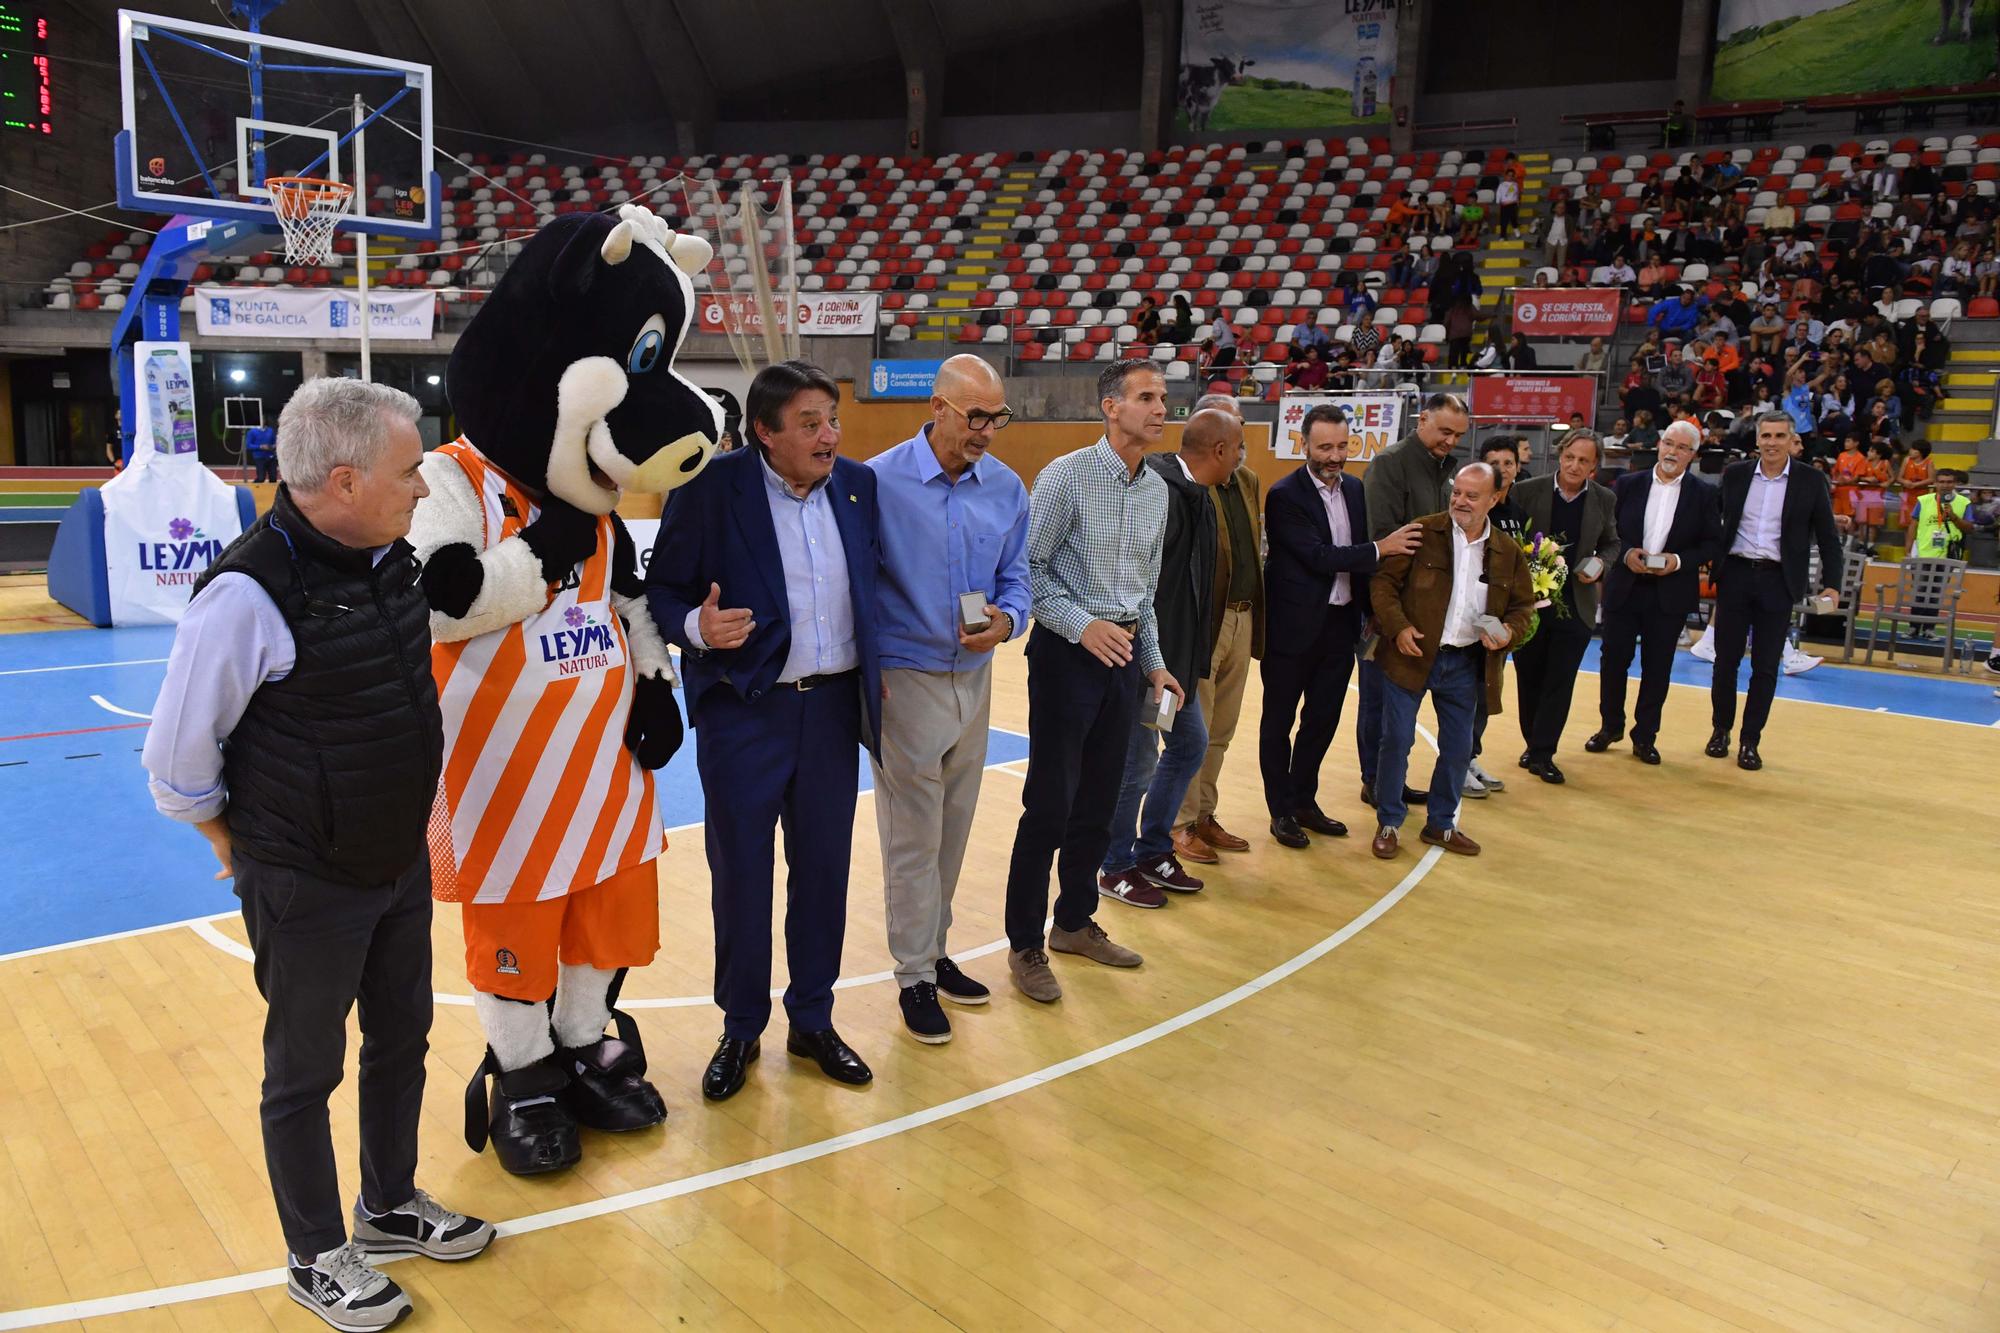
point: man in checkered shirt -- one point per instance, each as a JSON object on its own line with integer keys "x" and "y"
{"x": 1096, "y": 522}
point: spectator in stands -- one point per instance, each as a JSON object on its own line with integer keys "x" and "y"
{"x": 1640, "y": 394}
{"x": 1146, "y": 322}
{"x": 1219, "y": 347}
{"x": 1986, "y": 273}
{"x": 1677, "y": 130}
{"x": 1454, "y": 304}
{"x": 1181, "y": 330}
{"x": 1920, "y": 180}
{"x": 1405, "y": 212}
{"x": 1642, "y": 436}
{"x": 1651, "y": 280}
{"x": 1780, "y": 218}
{"x": 1677, "y": 318}
{"x": 1366, "y": 340}
{"x": 1615, "y": 447}
{"x": 1836, "y": 408}
{"x": 1518, "y": 356}
{"x": 1872, "y": 501}
{"x": 1799, "y": 402}
{"x": 1884, "y": 268}
{"x": 1558, "y": 238}
{"x": 1714, "y": 327}
{"x": 1471, "y": 217}
{"x": 1507, "y": 194}
{"x": 1767, "y": 331}
{"x": 1615, "y": 272}
{"x": 1884, "y": 181}
{"x": 1942, "y": 521}
{"x": 1309, "y": 375}
{"x": 1403, "y": 269}
{"x": 1439, "y": 214}
{"x": 1710, "y": 392}
{"x": 1595, "y": 357}
{"x": 1308, "y": 335}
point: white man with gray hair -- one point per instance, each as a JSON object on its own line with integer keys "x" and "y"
{"x": 298, "y": 731}
{"x": 1670, "y": 525}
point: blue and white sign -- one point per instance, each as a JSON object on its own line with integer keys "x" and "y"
{"x": 296, "y": 312}
{"x": 902, "y": 379}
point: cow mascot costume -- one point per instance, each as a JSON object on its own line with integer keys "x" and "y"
{"x": 555, "y": 684}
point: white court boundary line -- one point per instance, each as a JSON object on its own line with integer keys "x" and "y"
{"x": 757, "y": 1166}
{"x": 83, "y": 666}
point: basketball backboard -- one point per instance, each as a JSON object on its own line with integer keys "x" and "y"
{"x": 212, "y": 113}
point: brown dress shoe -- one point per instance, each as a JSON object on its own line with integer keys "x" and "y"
{"x": 1189, "y": 847}
{"x": 1033, "y": 976}
{"x": 1451, "y": 840}
{"x": 1219, "y": 837}
{"x": 1091, "y": 942}
{"x": 1384, "y": 845}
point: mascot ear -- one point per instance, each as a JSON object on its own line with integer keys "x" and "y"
{"x": 691, "y": 253}
{"x": 571, "y": 274}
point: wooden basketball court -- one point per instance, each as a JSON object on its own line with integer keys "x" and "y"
{"x": 1687, "y": 1048}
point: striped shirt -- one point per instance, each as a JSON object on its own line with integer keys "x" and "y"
{"x": 1094, "y": 536}
{"x": 539, "y": 797}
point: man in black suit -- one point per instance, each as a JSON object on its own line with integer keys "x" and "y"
{"x": 1773, "y": 509}
{"x": 1316, "y": 592}
{"x": 1670, "y": 526}
{"x": 1565, "y": 506}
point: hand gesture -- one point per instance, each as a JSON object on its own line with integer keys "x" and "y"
{"x": 722, "y": 629}
{"x": 998, "y": 626}
{"x": 1407, "y": 641}
{"x": 1107, "y": 643}
{"x": 1403, "y": 541}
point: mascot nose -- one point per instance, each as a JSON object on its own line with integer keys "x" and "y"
{"x": 675, "y": 465}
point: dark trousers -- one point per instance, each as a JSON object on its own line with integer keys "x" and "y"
{"x": 1751, "y": 601}
{"x": 321, "y": 949}
{"x": 1319, "y": 675}
{"x": 267, "y": 468}
{"x": 1080, "y": 719}
{"x": 1368, "y": 720}
{"x": 1545, "y": 677}
{"x": 1637, "y": 622}
{"x": 786, "y": 761}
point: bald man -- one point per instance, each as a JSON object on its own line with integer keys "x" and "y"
{"x": 1236, "y": 639}
{"x": 954, "y": 521}
{"x": 1140, "y": 866}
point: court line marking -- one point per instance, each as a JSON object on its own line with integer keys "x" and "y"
{"x": 184, "y": 1293}
{"x": 110, "y": 707}
{"x": 83, "y": 666}
{"x": 116, "y": 935}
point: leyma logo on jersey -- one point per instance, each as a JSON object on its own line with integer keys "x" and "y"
{"x": 585, "y": 642}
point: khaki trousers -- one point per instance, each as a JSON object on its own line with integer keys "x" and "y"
{"x": 926, "y": 787}
{"x": 1221, "y": 693}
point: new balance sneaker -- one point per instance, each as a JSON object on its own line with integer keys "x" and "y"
{"x": 1166, "y": 872}
{"x": 957, "y": 987}
{"x": 421, "y": 1226}
{"x": 343, "y": 1288}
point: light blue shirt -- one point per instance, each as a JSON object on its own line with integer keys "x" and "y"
{"x": 232, "y": 639}
{"x": 816, "y": 591}
{"x": 1759, "y": 532}
{"x": 940, "y": 539}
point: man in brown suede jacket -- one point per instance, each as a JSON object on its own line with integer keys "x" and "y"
{"x": 1448, "y": 614}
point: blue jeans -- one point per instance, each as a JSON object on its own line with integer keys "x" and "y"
{"x": 1454, "y": 686}
{"x": 1160, "y": 779}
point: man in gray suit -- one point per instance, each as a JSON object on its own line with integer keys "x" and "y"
{"x": 1567, "y": 507}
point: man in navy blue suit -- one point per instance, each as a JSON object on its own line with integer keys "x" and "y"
{"x": 764, "y": 574}
{"x": 1316, "y": 592}
{"x": 1670, "y": 526}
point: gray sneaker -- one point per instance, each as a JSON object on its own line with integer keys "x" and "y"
{"x": 1091, "y": 942}
{"x": 421, "y": 1226}
{"x": 343, "y": 1288}
{"x": 1032, "y": 975}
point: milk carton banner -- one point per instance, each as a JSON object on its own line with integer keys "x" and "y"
{"x": 295, "y": 312}
{"x": 164, "y": 376}
{"x": 1284, "y": 64}
{"x": 165, "y": 522}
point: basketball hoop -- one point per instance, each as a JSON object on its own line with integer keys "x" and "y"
{"x": 308, "y": 209}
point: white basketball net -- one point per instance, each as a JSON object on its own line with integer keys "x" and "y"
{"x": 308, "y": 209}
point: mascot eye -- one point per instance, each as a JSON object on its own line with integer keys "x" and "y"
{"x": 648, "y": 347}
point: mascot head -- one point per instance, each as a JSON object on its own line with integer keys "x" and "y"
{"x": 565, "y": 378}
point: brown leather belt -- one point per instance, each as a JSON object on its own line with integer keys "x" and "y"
{"x": 1241, "y": 606}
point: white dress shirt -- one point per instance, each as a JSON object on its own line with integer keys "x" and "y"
{"x": 1343, "y": 535}
{"x": 1661, "y": 502}
{"x": 1763, "y": 515}
{"x": 1468, "y": 588}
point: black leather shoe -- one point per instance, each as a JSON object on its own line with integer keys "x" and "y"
{"x": 532, "y": 1132}
{"x": 1546, "y": 770}
{"x": 1368, "y": 794}
{"x": 1718, "y": 746}
{"x": 1646, "y": 752}
{"x": 1288, "y": 833}
{"x": 1315, "y": 820}
{"x": 835, "y": 1058}
{"x": 607, "y": 1088}
{"x": 728, "y": 1067}
{"x": 1748, "y": 758}
{"x": 1527, "y": 760}
{"x": 1413, "y": 797}
{"x": 1602, "y": 741}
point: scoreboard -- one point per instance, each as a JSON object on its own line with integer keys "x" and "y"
{"x": 26, "y": 104}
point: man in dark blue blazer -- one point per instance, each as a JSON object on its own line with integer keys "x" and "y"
{"x": 1669, "y": 525}
{"x": 764, "y": 574}
{"x": 1316, "y": 595}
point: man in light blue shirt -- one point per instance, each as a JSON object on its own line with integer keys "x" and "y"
{"x": 954, "y": 521}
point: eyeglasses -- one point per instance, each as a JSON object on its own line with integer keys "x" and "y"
{"x": 979, "y": 418}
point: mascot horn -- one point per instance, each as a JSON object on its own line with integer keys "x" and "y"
{"x": 557, "y": 692}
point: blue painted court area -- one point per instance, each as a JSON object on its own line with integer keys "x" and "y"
{"x": 88, "y": 854}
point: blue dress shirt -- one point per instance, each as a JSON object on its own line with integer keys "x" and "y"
{"x": 816, "y": 591}
{"x": 940, "y": 539}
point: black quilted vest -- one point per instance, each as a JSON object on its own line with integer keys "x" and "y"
{"x": 333, "y": 769}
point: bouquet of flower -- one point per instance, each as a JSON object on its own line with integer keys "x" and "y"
{"x": 1548, "y": 571}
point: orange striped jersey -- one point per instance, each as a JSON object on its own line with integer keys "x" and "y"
{"x": 539, "y": 795}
